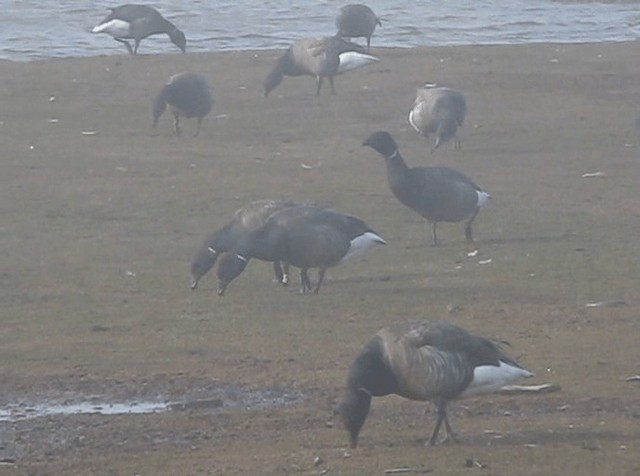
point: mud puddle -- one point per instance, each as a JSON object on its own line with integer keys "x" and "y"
{"x": 224, "y": 399}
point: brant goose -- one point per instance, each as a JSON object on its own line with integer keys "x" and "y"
{"x": 188, "y": 95}
{"x": 424, "y": 361}
{"x": 306, "y": 237}
{"x": 136, "y": 22}
{"x": 439, "y": 111}
{"x": 322, "y": 57}
{"x": 436, "y": 193}
{"x": 244, "y": 220}
{"x": 355, "y": 21}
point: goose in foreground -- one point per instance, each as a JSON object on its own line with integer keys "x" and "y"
{"x": 323, "y": 57}
{"x": 436, "y": 193}
{"x": 136, "y": 22}
{"x": 355, "y": 21}
{"x": 440, "y": 111}
{"x": 306, "y": 237}
{"x": 436, "y": 362}
{"x": 244, "y": 221}
{"x": 188, "y": 95}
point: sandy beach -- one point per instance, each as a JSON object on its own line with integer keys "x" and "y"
{"x": 101, "y": 215}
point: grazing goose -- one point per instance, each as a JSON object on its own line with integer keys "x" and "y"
{"x": 188, "y": 95}
{"x": 436, "y": 193}
{"x": 306, "y": 237}
{"x": 424, "y": 361}
{"x": 322, "y": 57}
{"x": 439, "y": 111}
{"x": 244, "y": 220}
{"x": 355, "y": 21}
{"x": 136, "y": 22}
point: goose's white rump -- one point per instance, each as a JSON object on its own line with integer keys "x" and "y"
{"x": 491, "y": 378}
{"x": 115, "y": 28}
{"x": 353, "y": 60}
{"x": 362, "y": 243}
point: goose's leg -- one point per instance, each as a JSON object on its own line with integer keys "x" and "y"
{"x": 333, "y": 89}
{"x": 305, "y": 284}
{"x": 198, "y": 129}
{"x": 125, "y": 43}
{"x": 320, "y": 279}
{"x": 277, "y": 271}
{"x": 176, "y": 123}
{"x": 319, "y": 82}
{"x": 468, "y": 232}
{"x": 450, "y": 436}
{"x": 441, "y": 407}
{"x": 137, "y": 43}
{"x": 434, "y": 234}
{"x": 285, "y": 274}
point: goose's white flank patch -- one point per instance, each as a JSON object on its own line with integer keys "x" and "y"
{"x": 115, "y": 28}
{"x": 352, "y": 60}
{"x": 483, "y": 197}
{"x": 413, "y": 124}
{"x": 362, "y": 243}
{"x": 491, "y": 378}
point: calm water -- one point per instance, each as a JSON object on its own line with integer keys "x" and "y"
{"x": 35, "y": 29}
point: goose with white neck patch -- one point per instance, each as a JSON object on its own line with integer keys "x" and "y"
{"x": 137, "y": 22}
{"x": 306, "y": 237}
{"x": 424, "y": 361}
{"x": 439, "y": 194}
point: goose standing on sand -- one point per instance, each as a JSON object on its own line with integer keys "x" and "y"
{"x": 306, "y": 237}
{"x": 136, "y": 22}
{"x": 436, "y": 193}
{"x": 188, "y": 95}
{"x": 440, "y": 111}
{"x": 244, "y": 221}
{"x": 436, "y": 362}
{"x": 323, "y": 57}
{"x": 356, "y": 21}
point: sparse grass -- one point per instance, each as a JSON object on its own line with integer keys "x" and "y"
{"x": 80, "y": 213}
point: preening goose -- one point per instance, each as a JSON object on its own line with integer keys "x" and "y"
{"x": 436, "y": 362}
{"x": 244, "y": 221}
{"x": 306, "y": 237}
{"x": 439, "y": 111}
{"x": 436, "y": 193}
{"x": 356, "y": 21}
{"x": 136, "y": 22}
{"x": 323, "y": 57}
{"x": 188, "y": 95}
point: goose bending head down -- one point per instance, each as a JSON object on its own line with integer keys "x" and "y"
{"x": 306, "y": 237}
{"x": 440, "y": 111}
{"x": 244, "y": 221}
{"x": 323, "y": 57}
{"x": 187, "y": 95}
{"x": 439, "y": 194}
{"x": 355, "y": 21}
{"x": 137, "y": 22}
{"x": 424, "y": 361}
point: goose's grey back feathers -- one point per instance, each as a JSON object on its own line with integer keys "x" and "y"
{"x": 188, "y": 95}
{"x": 245, "y": 220}
{"x": 439, "y": 111}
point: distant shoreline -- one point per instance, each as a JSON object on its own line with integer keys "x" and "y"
{"x": 373, "y": 50}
